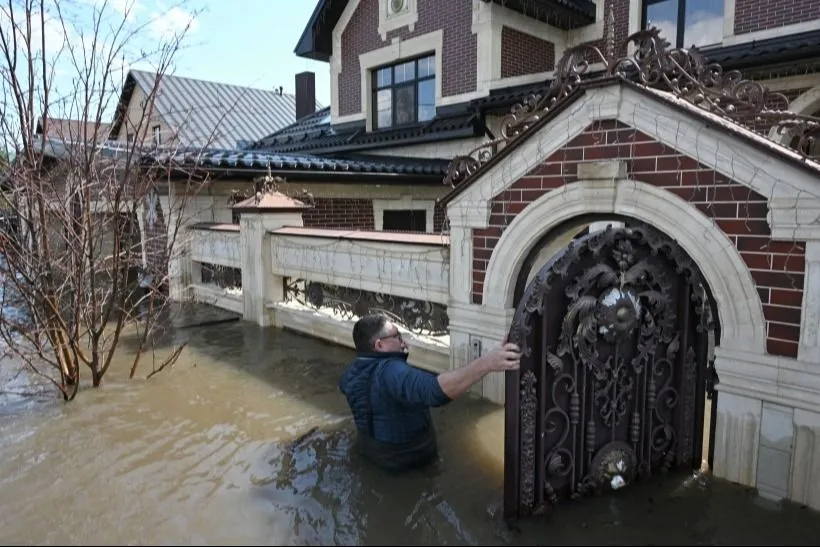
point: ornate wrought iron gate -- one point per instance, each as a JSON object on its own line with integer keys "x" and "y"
{"x": 613, "y": 379}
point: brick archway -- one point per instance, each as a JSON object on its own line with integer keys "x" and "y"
{"x": 739, "y": 308}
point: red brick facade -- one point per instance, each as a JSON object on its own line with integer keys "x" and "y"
{"x": 754, "y": 15}
{"x": 353, "y": 214}
{"x": 524, "y": 54}
{"x": 776, "y": 267}
{"x": 362, "y": 35}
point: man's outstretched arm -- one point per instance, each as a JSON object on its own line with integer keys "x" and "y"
{"x": 418, "y": 387}
{"x": 455, "y": 382}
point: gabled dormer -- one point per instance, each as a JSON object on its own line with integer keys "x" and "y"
{"x": 395, "y": 62}
{"x": 399, "y": 62}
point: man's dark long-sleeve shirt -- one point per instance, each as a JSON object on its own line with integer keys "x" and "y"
{"x": 397, "y": 394}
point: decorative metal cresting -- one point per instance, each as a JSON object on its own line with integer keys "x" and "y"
{"x": 417, "y": 316}
{"x": 612, "y": 385}
{"x": 680, "y": 71}
{"x": 264, "y": 184}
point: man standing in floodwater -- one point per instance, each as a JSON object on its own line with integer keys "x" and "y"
{"x": 391, "y": 399}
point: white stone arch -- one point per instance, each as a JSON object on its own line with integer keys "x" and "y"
{"x": 806, "y": 103}
{"x": 739, "y": 308}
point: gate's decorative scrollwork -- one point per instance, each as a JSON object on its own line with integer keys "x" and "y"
{"x": 417, "y": 316}
{"x": 528, "y": 418}
{"x": 613, "y": 366}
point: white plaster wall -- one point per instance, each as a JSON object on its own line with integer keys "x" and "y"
{"x": 219, "y": 298}
{"x": 216, "y": 247}
{"x": 407, "y": 270}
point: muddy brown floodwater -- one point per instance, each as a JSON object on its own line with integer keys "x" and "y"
{"x": 248, "y": 441}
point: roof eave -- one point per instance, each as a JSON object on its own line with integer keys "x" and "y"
{"x": 462, "y": 133}
{"x": 315, "y": 176}
{"x": 122, "y": 106}
{"x": 308, "y": 46}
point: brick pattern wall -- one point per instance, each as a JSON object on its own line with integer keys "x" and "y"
{"x": 362, "y": 35}
{"x": 523, "y": 53}
{"x": 753, "y": 15}
{"x": 353, "y": 213}
{"x": 776, "y": 267}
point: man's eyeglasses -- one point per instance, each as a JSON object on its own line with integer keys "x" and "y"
{"x": 397, "y": 336}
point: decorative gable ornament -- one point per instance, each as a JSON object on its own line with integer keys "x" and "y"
{"x": 680, "y": 71}
{"x": 396, "y": 7}
{"x": 397, "y": 14}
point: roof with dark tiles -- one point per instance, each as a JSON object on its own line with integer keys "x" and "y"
{"x": 312, "y": 144}
{"x": 758, "y": 53}
{"x": 253, "y": 161}
{"x": 316, "y": 135}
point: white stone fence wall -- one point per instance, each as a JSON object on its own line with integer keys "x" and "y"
{"x": 319, "y": 281}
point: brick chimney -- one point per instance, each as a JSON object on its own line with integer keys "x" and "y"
{"x": 305, "y": 94}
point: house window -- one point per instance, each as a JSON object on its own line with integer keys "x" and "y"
{"x": 157, "y": 135}
{"x": 405, "y": 220}
{"x": 686, "y": 23}
{"x": 404, "y": 93}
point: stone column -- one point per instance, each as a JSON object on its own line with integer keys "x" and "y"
{"x": 474, "y": 329}
{"x": 809, "y": 347}
{"x": 259, "y": 215}
{"x": 805, "y": 478}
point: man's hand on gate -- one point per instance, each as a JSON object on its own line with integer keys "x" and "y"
{"x": 504, "y": 358}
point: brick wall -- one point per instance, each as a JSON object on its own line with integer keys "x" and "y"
{"x": 353, "y": 213}
{"x": 753, "y": 15}
{"x": 776, "y": 267}
{"x": 362, "y": 35}
{"x": 523, "y": 53}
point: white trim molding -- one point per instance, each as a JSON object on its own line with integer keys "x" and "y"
{"x": 809, "y": 347}
{"x": 405, "y": 202}
{"x": 388, "y": 22}
{"x": 336, "y": 64}
{"x": 432, "y": 42}
{"x": 740, "y": 310}
{"x": 489, "y": 20}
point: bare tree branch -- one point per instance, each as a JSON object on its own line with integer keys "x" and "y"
{"x": 72, "y": 274}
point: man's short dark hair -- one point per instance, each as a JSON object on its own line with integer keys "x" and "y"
{"x": 366, "y": 330}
